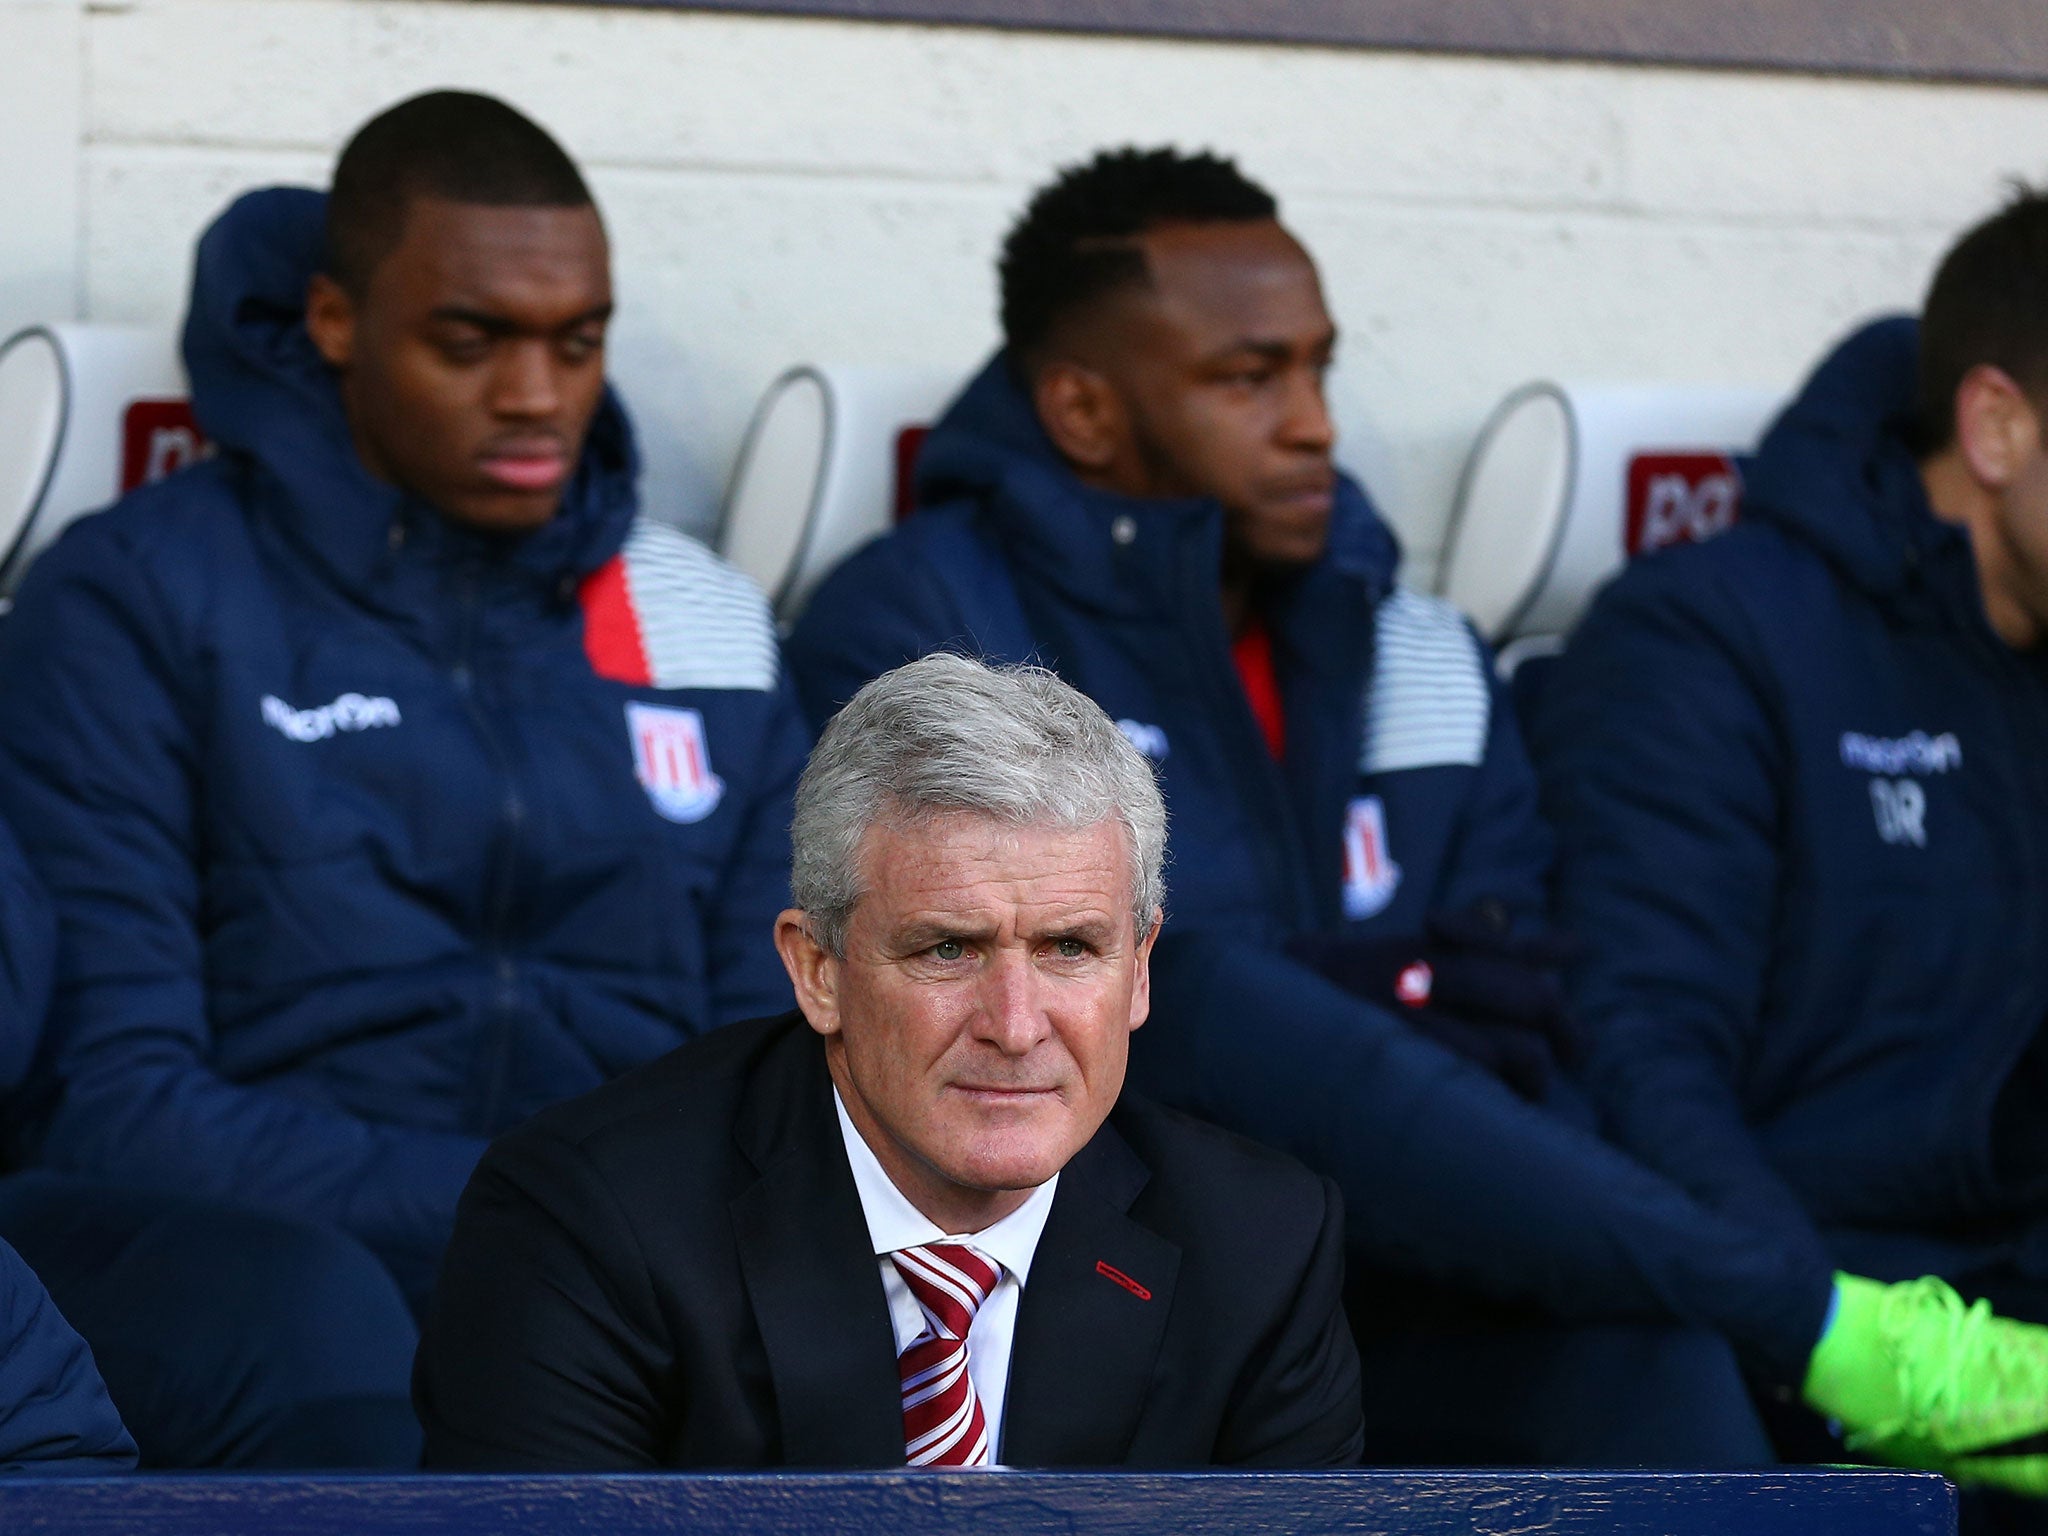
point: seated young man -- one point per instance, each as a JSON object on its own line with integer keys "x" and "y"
{"x": 392, "y": 776}
{"x": 1139, "y": 490}
{"x": 1797, "y": 772}
{"x": 915, "y": 1221}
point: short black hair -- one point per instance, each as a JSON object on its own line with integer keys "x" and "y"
{"x": 455, "y": 145}
{"x": 1988, "y": 303}
{"x": 1078, "y": 238}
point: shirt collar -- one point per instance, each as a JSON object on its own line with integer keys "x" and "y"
{"x": 893, "y": 1222}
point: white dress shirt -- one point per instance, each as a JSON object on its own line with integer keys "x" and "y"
{"x": 893, "y": 1223}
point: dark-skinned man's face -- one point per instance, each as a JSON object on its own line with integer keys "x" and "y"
{"x": 473, "y": 361}
{"x": 1215, "y": 371}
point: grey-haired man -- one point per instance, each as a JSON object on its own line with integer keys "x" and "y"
{"x": 910, "y": 1222}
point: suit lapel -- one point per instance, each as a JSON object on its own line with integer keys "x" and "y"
{"x": 1089, "y": 1324}
{"x": 811, "y": 1273}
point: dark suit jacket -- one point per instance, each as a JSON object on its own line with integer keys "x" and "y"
{"x": 674, "y": 1271}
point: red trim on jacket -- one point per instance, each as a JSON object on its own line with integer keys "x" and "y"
{"x": 1253, "y": 653}
{"x": 611, "y": 629}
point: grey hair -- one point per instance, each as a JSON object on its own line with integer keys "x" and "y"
{"x": 950, "y": 734}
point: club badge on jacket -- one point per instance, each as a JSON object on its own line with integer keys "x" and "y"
{"x": 672, "y": 761}
{"x": 1370, "y": 874}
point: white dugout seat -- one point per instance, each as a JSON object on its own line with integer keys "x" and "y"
{"x": 87, "y": 412}
{"x": 825, "y": 466}
{"x": 1567, "y": 482}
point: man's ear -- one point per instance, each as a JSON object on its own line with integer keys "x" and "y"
{"x": 1997, "y": 427}
{"x": 1141, "y": 988}
{"x": 813, "y": 970}
{"x": 1083, "y": 414}
{"x": 331, "y": 320}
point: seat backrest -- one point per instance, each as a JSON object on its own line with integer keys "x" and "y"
{"x": 1566, "y": 482}
{"x": 826, "y": 465}
{"x": 87, "y": 412}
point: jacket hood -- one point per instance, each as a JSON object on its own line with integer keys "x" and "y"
{"x": 990, "y": 446}
{"x": 1837, "y": 469}
{"x": 264, "y": 394}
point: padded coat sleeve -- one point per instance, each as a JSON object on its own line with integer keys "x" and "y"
{"x": 1298, "y": 1403}
{"x": 100, "y": 776}
{"x": 55, "y": 1416}
{"x": 28, "y": 958}
{"x": 747, "y": 978}
{"x": 542, "y": 1352}
{"x": 850, "y": 635}
{"x": 1660, "y": 772}
{"x": 1502, "y": 846}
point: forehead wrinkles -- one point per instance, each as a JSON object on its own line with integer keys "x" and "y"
{"x": 973, "y": 850}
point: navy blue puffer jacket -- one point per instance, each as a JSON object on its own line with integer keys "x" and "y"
{"x": 369, "y": 837}
{"x": 1802, "y": 792}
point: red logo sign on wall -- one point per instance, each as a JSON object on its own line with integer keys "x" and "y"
{"x": 1679, "y": 498}
{"x": 158, "y": 436}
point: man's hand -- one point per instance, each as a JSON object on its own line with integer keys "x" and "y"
{"x": 1469, "y": 983}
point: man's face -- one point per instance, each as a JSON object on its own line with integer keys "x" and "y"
{"x": 474, "y": 359}
{"x": 2023, "y": 517}
{"x": 980, "y": 1021}
{"x": 1220, "y": 363}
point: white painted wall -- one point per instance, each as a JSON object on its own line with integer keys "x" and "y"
{"x": 788, "y": 189}
{"x": 42, "y": 58}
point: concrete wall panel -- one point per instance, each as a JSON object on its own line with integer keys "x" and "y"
{"x": 42, "y": 115}
{"x": 783, "y": 189}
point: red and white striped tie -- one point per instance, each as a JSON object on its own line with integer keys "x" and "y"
{"x": 943, "y": 1425}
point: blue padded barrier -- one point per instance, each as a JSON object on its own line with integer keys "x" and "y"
{"x": 1778, "y": 1503}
